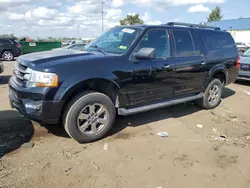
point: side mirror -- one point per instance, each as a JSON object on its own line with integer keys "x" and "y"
{"x": 145, "y": 53}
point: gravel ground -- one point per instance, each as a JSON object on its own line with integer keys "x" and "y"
{"x": 205, "y": 148}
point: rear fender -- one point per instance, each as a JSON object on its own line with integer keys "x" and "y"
{"x": 219, "y": 68}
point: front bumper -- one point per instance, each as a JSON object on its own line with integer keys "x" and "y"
{"x": 31, "y": 105}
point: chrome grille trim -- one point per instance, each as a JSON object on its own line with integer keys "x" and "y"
{"x": 19, "y": 73}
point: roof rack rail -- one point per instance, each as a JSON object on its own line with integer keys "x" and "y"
{"x": 193, "y": 25}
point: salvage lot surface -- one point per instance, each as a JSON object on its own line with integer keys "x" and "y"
{"x": 133, "y": 155}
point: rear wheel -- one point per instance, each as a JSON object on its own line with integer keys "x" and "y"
{"x": 8, "y": 56}
{"x": 89, "y": 117}
{"x": 212, "y": 95}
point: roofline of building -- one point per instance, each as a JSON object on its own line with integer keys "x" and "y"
{"x": 230, "y": 19}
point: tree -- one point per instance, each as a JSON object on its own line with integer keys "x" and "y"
{"x": 131, "y": 20}
{"x": 7, "y": 35}
{"x": 215, "y": 15}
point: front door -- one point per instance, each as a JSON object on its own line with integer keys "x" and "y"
{"x": 190, "y": 67}
{"x": 151, "y": 79}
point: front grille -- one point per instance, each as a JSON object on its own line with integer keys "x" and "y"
{"x": 19, "y": 72}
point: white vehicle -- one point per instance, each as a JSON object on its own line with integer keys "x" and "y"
{"x": 242, "y": 45}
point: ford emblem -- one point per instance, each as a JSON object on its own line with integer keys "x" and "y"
{"x": 245, "y": 67}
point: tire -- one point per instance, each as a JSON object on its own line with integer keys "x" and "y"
{"x": 8, "y": 56}
{"x": 215, "y": 88}
{"x": 84, "y": 120}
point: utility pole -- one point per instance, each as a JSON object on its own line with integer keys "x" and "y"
{"x": 78, "y": 31}
{"x": 102, "y": 15}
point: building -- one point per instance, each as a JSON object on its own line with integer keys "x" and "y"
{"x": 239, "y": 28}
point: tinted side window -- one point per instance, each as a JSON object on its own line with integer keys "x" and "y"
{"x": 184, "y": 43}
{"x": 219, "y": 45}
{"x": 5, "y": 41}
{"x": 158, "y": 39}
{"x": 197, "y": 47}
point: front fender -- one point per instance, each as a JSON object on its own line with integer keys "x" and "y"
{"x": 81, "y": 85}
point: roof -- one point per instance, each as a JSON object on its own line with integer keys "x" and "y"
{"x": 234, "y": 24}
{"x": 144, "y": 26}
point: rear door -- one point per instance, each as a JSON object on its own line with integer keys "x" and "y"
{"x": 190, "y": 64}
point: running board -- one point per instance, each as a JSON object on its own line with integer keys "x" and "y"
{"x": 125, "y": 112}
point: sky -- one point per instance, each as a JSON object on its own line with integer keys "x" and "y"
{"x": 70, "y": 18}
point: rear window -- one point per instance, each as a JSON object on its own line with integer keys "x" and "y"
{"x": 219, "y": 45}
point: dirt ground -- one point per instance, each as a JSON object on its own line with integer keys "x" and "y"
{"x": 204, "y": 148}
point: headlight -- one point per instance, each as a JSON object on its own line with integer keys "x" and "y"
{"x": 41, "y": 79}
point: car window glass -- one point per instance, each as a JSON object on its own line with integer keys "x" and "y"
{"x": 117, "y": 40}
{"x": 75, "y": 47}
{"x": 247, "y": 53}
{"x": 5, "y": 41}
{"x": 219, "y": 45}
{"x": 197, "y": 47}
{"x": 158, "y": 39}
{"x": 184, "y": 43}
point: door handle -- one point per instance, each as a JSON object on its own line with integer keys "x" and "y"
{"x": 203, "y": 63}
{"x": 166, "y": 66}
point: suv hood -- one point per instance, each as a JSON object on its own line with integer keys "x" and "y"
{"x": 63, "y": 55}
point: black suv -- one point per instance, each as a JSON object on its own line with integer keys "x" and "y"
{"x": 9, "y": 48}
{"x": 127, "y": 70}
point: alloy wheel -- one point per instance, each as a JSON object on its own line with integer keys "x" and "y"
{"x": 8, "y": 56}
{"x": 92, "y": 118}
{"x": 214, "y": 95}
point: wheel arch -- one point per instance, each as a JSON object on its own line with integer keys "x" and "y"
{"x": 219, "y": 72}
{"x": 4, "y": 50}
{"x": 105, "y": 86}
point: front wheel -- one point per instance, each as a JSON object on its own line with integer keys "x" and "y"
{"x": 89, "y": 117}
{"x": 212, "y": 95}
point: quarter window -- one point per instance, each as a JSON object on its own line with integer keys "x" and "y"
{"x": 219, "y": 44}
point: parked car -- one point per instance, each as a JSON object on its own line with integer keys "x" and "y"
{"x": 127, "y": 70}
{"x": 244, "y": 73}
{"x": 68, "y": 42}
{"x": 9, "y": 48}
{"x": 241, "y": 45}
{"x": 72, "y": 47}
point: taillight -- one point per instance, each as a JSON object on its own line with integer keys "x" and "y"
{"x": 18, "y": 45}
{"x": 238, "y": 63}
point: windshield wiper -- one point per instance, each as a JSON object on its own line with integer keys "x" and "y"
{"x": 99, "y": 49}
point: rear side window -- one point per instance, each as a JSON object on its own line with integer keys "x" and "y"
{"x": 5, "y": 41}
{"x": 219, "y": 45}
{"x": 185, "y": 44}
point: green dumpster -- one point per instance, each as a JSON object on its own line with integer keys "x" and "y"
{"x": 29, "y": 47}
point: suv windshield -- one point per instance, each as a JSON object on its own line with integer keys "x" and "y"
{"x": 247, "y": 53}
{"x": 117, "y": 40}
